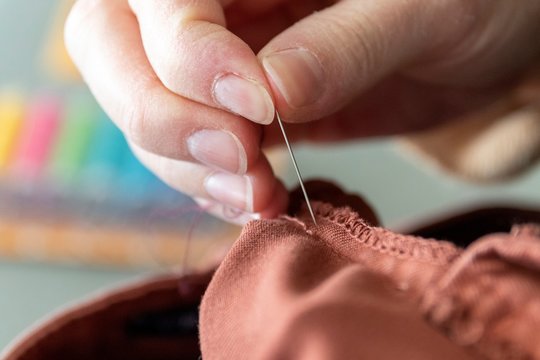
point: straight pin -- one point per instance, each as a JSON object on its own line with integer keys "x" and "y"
{"x": 296, "y": 168}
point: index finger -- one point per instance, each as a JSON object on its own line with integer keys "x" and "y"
{"x": 195, "y": 56}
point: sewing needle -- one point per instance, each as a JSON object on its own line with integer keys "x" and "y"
{"x": 296, "y": 167}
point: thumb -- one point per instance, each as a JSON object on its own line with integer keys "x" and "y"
{"x": 323, "y": 61}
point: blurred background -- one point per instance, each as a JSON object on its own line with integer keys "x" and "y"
{"x": 79, "y": 213}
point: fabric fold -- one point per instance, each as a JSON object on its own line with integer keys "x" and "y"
{"x": 346, "y": 289}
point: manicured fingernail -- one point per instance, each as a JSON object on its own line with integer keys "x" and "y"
{"x": 245, "y": 98}
{"x": 227, "y": 213}
{"x": 238, "y": 216}
{"x": 220, "y": 149}
{"x": 233, "y": 190}
{"x": 297, "y": 74}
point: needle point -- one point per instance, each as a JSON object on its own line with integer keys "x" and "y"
{"x": 296, "y": 168}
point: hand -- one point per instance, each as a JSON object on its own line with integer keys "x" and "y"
{"x": 182, "y": 80}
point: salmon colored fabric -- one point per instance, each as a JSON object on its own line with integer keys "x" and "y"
{"x": 346, "y": 289}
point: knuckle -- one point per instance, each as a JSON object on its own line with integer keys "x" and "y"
{"x": 173, "y": 57}
{"x": 134, "y": 118}
{"x": 80, "y": 11}
{"x": 363, "y": 37}
{"x": 76, "y": 28}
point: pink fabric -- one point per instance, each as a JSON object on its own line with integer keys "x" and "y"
{"x": 345, "y": 289}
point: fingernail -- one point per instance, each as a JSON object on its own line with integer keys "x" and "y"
{"x": 245, "y": 98}
{"x": 236, "y": 216}
{"x": 227, "y": 213}
{"x": 297, "y": 74}
{"x": 220, "y": 149}
{"x": 233, "y": 190}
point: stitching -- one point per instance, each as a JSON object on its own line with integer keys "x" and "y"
{"x": 385, "y": 241}
{"x": 318, "y": 238}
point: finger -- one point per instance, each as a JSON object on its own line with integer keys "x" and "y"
{"x": 236, "y": 216}
{"x": 103, "y": 39}
{"x": 225, "y": 212}
{"x": 396, "y": 105}
{"x": 322, "y": 62}
{"x": 195, "y": 56}
{"x": 254, "y": 192}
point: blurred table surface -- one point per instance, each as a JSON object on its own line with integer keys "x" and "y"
{"x": 398, "y": 188}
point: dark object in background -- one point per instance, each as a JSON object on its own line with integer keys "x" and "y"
{"x": 463, "y": 229}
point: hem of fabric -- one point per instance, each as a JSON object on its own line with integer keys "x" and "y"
{"x": 384, "y": 241}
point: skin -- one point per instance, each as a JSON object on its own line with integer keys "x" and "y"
{"x": 368, "y": 68}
